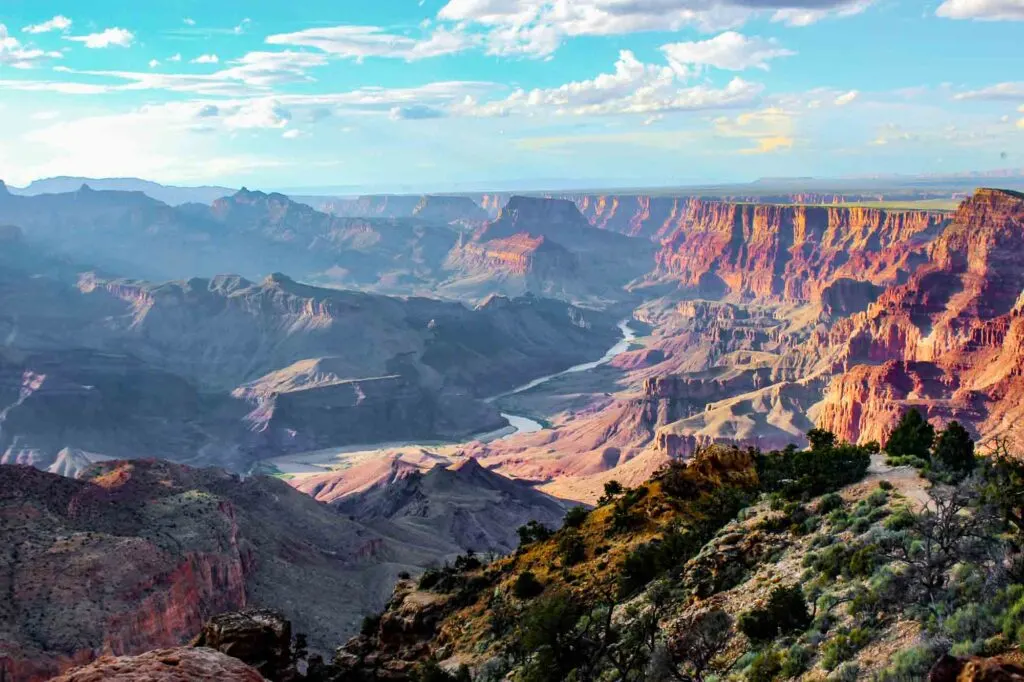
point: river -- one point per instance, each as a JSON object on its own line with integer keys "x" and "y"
{"x": 321, "y": 460}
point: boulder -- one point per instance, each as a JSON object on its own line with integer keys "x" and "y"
{"x": 262, "y": 638}
{"x": 165, "y": 665}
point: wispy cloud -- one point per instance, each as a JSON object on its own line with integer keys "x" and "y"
{"x": 730, "y": 50}
{"x": 1009, "y": 90}
{"x": 58, "y": 23}
{"x": 361, "y": 42}
{"x": 205, "y": 59}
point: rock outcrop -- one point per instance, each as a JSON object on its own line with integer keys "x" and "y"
{"x": 547, "y": 246}
{"x": 261, "y": 638}
{"x": 165, "y": 665}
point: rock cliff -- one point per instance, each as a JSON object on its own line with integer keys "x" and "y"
{"x": 773, "y": 252}
{"x": 949, "y": 341}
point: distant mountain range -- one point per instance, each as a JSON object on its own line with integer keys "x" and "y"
{"x": 895, "y": 186}
{"x": 169, "y": 194}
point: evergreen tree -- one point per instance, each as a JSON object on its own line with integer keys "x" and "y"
{"x": 955, "y": 449}
{"x": 913, "y": 436}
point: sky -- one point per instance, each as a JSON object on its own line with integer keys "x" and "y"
{"x": 437, "y": 94}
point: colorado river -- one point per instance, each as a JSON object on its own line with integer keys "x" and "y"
{"x": 322, "y": 460}
{"x": 523, "y": 424}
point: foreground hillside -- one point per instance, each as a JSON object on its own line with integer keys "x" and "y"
{"x": 137, "y": 555}
{"x": 814, "y": 565}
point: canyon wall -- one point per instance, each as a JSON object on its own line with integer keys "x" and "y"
{"x": 949, "y": 341}
{"x": 771, "y": 252}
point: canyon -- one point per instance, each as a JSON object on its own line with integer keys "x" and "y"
{"x": 432, "y": 323}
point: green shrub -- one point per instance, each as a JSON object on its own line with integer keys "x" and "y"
{"x": 909, "y": 664}
{"x": 918, "y": 463}
{"x": 954, "y": 449}
{"x": 765, "y": 667}
{"x": 527, "y": 586}
{"x": 785, "y": 612}
{"x": 885, "y": 485}
{"x": 843, "y": 647}
{"x": 797, "y": 660}
{"x": 861, "y": 526}
{"x": 830, "y": 503}
{"x": 847, "y": 672}
{"x": 571, "y": 548}
{"x": 533, "y": 532}
{"x": 901, "y": 519}
{"x": 878, "y": 498}
{"x": 575, "y": 517}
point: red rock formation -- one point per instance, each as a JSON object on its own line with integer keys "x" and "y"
{"x": 790, "y": 253}
{"x": 165, "y": 665}
{"x": 954, "y": 329}
{"x": 519, "y": 254}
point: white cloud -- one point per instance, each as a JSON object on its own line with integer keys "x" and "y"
{"x": 45, "y": 115}
{"x": 240, "y": 29}
{"x": 206, "y": 59}
{"x": 1011, "y": 91}
{"x": 633, "y": 88}
{"x": 16, "y": 55}
{"x": 846, "y": 98}
{"x": 805, "y": 16}
{"x": 730, "y": 50}
{"x": 538, "y": 27}
{"x": 111, "y": 37}
{"x": 291, "y": 134}
{"x": 985, "y": 10}
{"x": 153, "y": 63}
{"x": 58, "y": 23}
{"x": 360, "y": 42}
{"x": 175, "y": 58}
{"x": 189, "y": 21}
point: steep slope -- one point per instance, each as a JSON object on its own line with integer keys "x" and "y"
{"x": 138, "y": 554}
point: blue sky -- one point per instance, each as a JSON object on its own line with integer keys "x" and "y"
{"x": 439, "y": 93}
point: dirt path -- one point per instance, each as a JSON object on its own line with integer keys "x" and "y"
{"x": 906, "y": 480}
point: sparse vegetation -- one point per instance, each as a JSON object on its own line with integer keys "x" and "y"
{"x": 624, "y": 591}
